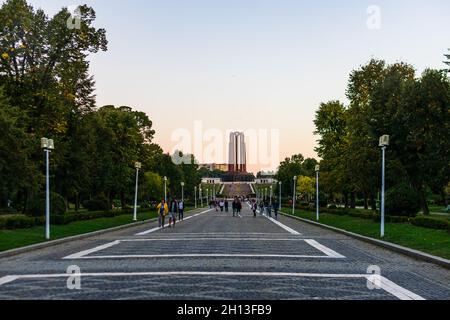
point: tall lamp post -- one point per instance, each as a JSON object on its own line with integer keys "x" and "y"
{"x": 138, "y": 167}
{"x": 317, "y": 193}
{"x": 48, "y": 145}
{"x": 280, "y": 185}
{"x": 384, "y": 143}
{"x": 201, "y": 195}
{"x": 182, "y": 191}
{"x": 165, "y": 189}
{"x": 295, "y": 195}
{"x": 271, "y": 195}
{"x": 195, "y": 196}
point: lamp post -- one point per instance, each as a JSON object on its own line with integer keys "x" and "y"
{"x": 138, "y": 167}
{"x": 48, "y": 145}
{"x": 195, "y": 196}
{"x": 293, "y": 199}
{"x": 182, "y": 191}
{"x": 165, "y": 189}
{"x": 207, "y": 197}
{"x": 280, "y": 185}
{"x": 271, "y": 195}
{"x": 384, "y": 143}
{"x": 201, "y": 195}
{"x": 317, "y": 193}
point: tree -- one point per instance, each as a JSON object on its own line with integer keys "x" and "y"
{"x": 306, "y": 186}
{"x": 152, "y": 187}
{"x": 448, "y": 60}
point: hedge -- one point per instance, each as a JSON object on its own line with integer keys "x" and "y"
{"x": 18, "y": 221}
{"x": 431, "y": 223}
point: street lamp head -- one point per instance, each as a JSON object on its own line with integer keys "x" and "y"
{"x": 138, "y": 165}
{"x": 44, "y": 143}
{"x": 182, "y": 184}
{"x": 384, "y": 141}
{"x": 295, "y": 178}
{"x": 317, "y": 168}
{"x": 280, "y": 183}
{"x": 51, "y": 144}
{"x": 165, "y": 178}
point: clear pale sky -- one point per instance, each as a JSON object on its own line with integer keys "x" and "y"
{"x": 239, "y": 64}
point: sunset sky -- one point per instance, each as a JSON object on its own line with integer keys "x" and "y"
{"x": 247, "y": 64}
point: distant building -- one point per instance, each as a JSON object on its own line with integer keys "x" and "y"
{"x": 237, "y": 153}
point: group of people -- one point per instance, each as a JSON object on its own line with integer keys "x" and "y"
{"x": 172, "y": 209}
{"x": 265, "y": 207}
{"x": 223, "y": 205}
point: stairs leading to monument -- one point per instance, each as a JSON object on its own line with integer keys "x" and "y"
{"x": 237, "y": 190}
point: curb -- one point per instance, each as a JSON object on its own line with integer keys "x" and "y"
{"x": 415, "y": 254}
{"x": 42, "y": 245}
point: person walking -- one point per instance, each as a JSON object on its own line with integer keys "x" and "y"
{"x": 163, "y": 210}
{"x": 181, "y": 210}
{"x": 235, "y": 205}
{"x": 226, "y": 205}
{"x": 254, "y": 207}
{"x": 276, "y": 208}
{"x": 173, "y": 210}
{"x": 222, "y": 205}
{"x": 239, "y": 208}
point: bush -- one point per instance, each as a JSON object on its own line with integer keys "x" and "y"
{"x": 37, "y": 206}
{"x": 96, "y": 205}
{"x": 17, "y": 221}
{"x": 402, "y": 200}
{"x": 431, "y": 223}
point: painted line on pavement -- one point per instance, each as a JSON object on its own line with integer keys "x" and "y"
{"x": 158, "y": 228}
{"x": 385, "y": 284}
{"x": 278, "y": 223}
{"x": 81, "y": 254}
{"x": 201, "y": 256}
{"x": 326, "y": 250}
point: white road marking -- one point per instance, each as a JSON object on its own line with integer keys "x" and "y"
{"x": 285, "y": 227}
{"x": 81, "y": 254}
{"x": 198, "y": 256}
{"x": 387, "y": 285}
{"x": 156, "y": 229}
{"x": 326, "y": 250}
{"x": 211, "y": 239}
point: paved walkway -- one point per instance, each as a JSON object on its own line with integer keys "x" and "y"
{"x": 215, "y": 256}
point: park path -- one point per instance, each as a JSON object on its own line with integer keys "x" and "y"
{"x": 212, "y": 255}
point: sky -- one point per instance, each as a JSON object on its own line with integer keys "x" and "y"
{"x": 251, "y": 64}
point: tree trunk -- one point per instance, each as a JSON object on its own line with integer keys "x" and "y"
{"x": 346, "y": 200}
{"x": 352, "y": 201}
{"x": 444, "y": 198}
{"x": 366, "y": 201}
{"x": 373, "y": 203}
{"x": 422, "y": 198}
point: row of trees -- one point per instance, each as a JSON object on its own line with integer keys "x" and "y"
{"x": 393, "y": 100}
{"x": 46, "y": 91}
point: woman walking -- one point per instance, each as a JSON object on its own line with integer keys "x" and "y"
{"x": 163, "y": 210}
{"x": 173, "y": 212}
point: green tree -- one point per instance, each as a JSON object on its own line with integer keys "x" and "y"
{"x": 306, "y": 187}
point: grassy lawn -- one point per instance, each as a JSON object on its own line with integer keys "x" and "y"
{"x": 11, "y": 239}
{"x": 435, "y": 242}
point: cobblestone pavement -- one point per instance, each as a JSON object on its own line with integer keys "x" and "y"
{"x": 212, "y": 255}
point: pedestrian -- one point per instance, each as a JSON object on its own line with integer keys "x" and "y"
{"x": 181, "y": 210}
{"x": 235, "y": 205}
{"x": 173, "y": 210}
{"x": 226, "y": 205}
{"x": 222, "y": 205}
{"x": 254, "y": 207}
{"x": 239, "y": 208}
{"x": 269, "y": 210}
{"x": 163, "y": 210}
{"x": 276, "y": 208}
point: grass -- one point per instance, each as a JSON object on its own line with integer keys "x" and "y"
{"x": 435, "y": 242}
{"x": 12, "y": 239}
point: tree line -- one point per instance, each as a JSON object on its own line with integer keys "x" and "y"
{"x": 387, "y": 99}
{"x": 46, "y": 91}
